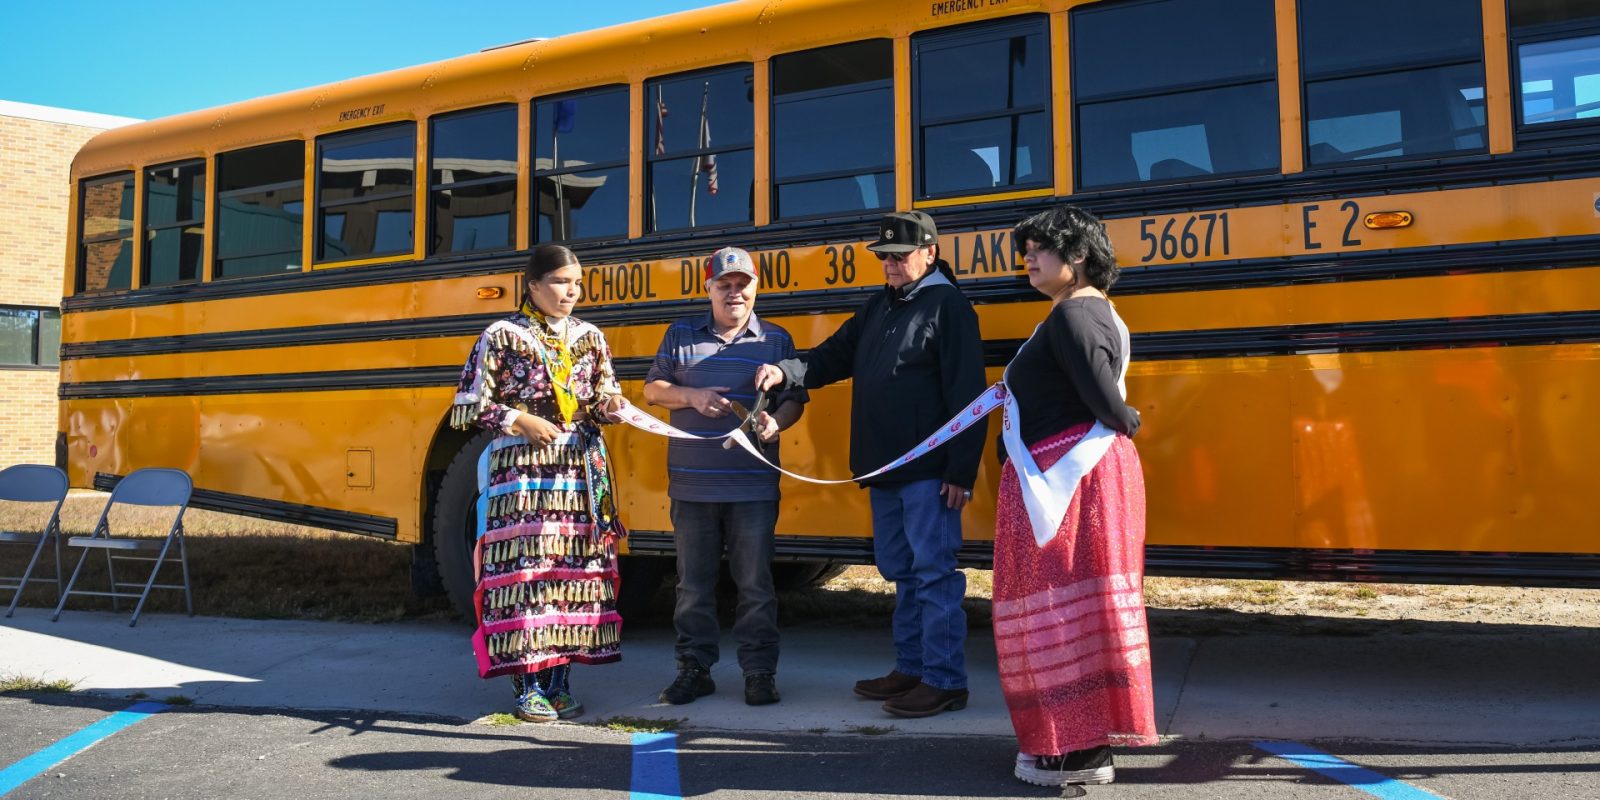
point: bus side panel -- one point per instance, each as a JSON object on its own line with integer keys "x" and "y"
{"x": 1471, "y": 449}
{"x": 355, "y": 451}
{"x": 1212, "y": 433}
{"x": 444, "y": 351}
{"x": 117, "y": 437}
{"x": 385, "y": 301}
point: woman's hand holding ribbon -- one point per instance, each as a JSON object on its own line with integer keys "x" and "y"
{"x": 612, "y": 407}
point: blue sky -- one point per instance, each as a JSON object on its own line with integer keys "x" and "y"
{"x": 152, "y": 59}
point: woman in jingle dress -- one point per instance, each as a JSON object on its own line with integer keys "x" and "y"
{"x": 546, "y": 520}
{"x": 1069, "y": 620}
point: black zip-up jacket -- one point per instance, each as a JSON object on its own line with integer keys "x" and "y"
{"x": 916, "y": 358}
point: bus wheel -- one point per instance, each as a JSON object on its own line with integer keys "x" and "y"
{"x": 791, "y": 575}
{"x": 455, "y": 527}
{"x": 641, "y": 578}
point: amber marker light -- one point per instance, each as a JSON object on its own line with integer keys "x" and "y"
{"x": 1387, "y": 219}
{"x": 490, "y": 293}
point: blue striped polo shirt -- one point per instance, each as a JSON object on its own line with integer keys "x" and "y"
{"x": 691, "y": 355}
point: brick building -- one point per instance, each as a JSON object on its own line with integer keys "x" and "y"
{"x": 37, "y": 145}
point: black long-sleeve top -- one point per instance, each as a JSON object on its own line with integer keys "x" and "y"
{"x": 1067, "y": 373}
{"x": 916, "y": 359}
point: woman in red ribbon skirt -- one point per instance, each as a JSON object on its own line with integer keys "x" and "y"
{"x": 1069, "y": 619}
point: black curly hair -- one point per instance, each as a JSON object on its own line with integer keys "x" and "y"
{"x": 1072, "y": 233}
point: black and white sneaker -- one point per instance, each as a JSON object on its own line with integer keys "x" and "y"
{"x": 1092, "y": 766}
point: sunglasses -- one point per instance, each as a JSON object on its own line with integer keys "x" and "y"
{"x": 900, "y": 258}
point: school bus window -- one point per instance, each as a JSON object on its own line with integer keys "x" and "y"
{"x": 833, "y": 130}
{"x": 174, "y": 223}
{"x": 1557, "y": 47}
{"x": 364, "y": 192}
{"x": 580, "y": 166}
{"x": 1208, "y": 106}
{"x": 1409, "y": 87}
{"x": 700, "y": 132}
{"x": 105, "y": 234}
{"x": 260, "y": 210}
{"x": 473, "y": 180}
{"x": 982, "y": 108}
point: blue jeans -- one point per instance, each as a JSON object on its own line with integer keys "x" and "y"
{"x": 915, "y": 537}
{"x": 745, "y": 530}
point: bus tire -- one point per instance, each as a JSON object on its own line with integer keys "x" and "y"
{"x": 791, "y": 575}
{"x": 425, "y": 580}
{"x": 640, "y": 580}
{"x": 454, "y": 527}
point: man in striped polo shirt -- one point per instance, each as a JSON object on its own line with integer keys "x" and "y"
{"x": 723, "y": 500}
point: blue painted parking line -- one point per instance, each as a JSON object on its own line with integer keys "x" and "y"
{"x": 655, "y": 767}
{"x": 28, "y": 768}
{"x": 1352, "y": 775}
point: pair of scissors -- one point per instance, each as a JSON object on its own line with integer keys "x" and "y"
{"x": 749, "y": 419}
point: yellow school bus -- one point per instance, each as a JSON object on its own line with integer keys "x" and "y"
{"x": 1361, "y": 243}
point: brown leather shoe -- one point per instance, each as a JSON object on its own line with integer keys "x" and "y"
{"x": 894, "y": 684}
{"x": 925, "y": 701}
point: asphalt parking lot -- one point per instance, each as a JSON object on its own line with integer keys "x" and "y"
{"x": 204, "y": 707}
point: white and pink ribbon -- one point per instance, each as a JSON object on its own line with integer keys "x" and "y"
{"x": 992, "y": 398}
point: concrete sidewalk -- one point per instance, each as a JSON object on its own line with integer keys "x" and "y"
{"x": 1516, "y": 689}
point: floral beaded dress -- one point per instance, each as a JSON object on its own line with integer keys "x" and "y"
{"x": 547, "y": 526}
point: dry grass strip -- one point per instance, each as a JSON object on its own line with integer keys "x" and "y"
{"x": 252, "y": 568}
{"x": 238, "y": 566}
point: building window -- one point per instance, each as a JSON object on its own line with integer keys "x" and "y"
{"x": 260, "y": 210}
{"x": 1207, "y": 107}
{"x": 29, "y": 337}
{"x": 365, "y": 183}
{"x": 982, "y": 99}
{"x": 580, "y": 166}
{"x": 174, "y": 223}
{"x": 473, "y": 181}
{"x": 1408, "y": 88}
{"x": 1556, "y": 47}
{"x": 699, "y": 147}
{"x": 105, "y": 233}
{"x": 833, "y": 130}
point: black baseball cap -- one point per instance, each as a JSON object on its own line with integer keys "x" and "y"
{"x": 904, "y": 232}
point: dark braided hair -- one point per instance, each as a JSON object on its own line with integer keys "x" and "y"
{"x": 547, "y": 258}
{"x": 1072, "y": 233}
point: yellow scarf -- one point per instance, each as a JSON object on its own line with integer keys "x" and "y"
{"x": 557, "y": 358}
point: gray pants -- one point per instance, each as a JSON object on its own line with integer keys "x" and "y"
{"x": 745, "y": 530}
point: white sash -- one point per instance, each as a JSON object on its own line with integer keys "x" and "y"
{"x": 1048, "y": 493}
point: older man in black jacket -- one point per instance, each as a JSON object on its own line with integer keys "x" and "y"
{"x": 916, "y": 358}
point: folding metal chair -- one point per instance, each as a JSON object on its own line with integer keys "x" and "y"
{"x": 31, "y": 483}
{"x": 144, "y": 487}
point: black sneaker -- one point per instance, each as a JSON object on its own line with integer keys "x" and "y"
{"x": 1077, "y": 767}
{"x": 760, "y": 689}
{"x": 693, "y": 682}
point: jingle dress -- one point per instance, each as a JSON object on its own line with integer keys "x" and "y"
{"x": 1069, "y": 621}
{"x": 547, "y": 526}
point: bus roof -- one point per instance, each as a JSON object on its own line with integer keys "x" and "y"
{"x": 743, "y": 30}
